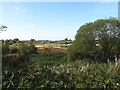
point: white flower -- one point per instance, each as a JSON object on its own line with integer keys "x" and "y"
{"x": 117, "y": 84}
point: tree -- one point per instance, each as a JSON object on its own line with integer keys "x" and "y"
{"x": 15, "y": 40}
{"x": 5, "y": 48}
{"x": 66, "y": 39}
{"x": 70, "y": 40}
{"x": 3, "y": 28}
{"x": 32, "y": 41}
{"x": 31, "y": 49}
{"x": 26, "y": 48}
{"x": 98, "y": 40}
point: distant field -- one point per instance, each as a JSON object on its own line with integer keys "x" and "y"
{"x": 52, "y": 48}
{"x": 51, "y": 45}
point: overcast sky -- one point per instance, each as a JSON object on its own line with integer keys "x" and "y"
{"x": 51, "y": 20}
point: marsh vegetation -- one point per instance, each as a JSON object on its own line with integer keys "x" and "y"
{"x": 88, "y": 62}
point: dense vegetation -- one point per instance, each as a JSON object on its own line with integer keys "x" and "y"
{"x": 17, "y": 47}
{"x": 89, "y": 62}
{"x": 53, "y": 71}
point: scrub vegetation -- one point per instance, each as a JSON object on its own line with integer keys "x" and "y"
{"x": 92, "y": 60}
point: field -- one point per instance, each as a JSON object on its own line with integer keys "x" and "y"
{"x": 51, "y": 45}
{"x": 52, "y": 48}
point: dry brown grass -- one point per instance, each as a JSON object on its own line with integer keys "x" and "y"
{"x": 52, "y": 50}
{"x": 50, "y": 45}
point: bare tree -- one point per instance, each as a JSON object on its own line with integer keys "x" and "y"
{"x": 3, "y": 28}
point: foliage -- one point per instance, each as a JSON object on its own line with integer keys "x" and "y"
{"x": 15, "y": 40}
{"x": 27, "y": 49}
{"x": 66, "y": 39}
{"x": 16, "y": 46}
{"x": 48, "y": 70}
{"x": 3, "y": 28}
{"x": 5, "y": 48}
{"x": 99, "y": 40}
{"x": 32, "y": 41}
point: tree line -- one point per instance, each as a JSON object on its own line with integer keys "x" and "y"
{"x": 16, "y": 46}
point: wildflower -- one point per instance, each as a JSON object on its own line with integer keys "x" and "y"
{"x": 117, "y": 84}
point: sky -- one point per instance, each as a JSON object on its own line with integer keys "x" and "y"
{"x": 51, "y": 20}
